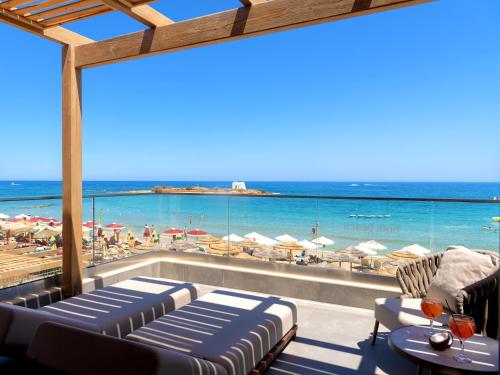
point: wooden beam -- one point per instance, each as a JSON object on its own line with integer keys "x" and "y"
{"x": 56, "y": 34}
{"x": 71, "y": 172}
{"x": 252, "y": 2}
{"x": 142, "y": 13}
{"x": 259, "y": 19}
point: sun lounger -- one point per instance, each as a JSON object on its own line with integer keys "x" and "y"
{"x": 115, "y": 310}
{"x": 80, "y": 352}
{"x": 239, "y": 331}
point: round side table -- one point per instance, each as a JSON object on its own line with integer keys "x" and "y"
{"x": 410, "y": 343}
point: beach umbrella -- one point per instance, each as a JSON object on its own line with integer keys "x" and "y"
{"x": 366, "y": 250}
{"x": 269, "y": 254}
{"x": 352, "y": 250}
{"x": 330, "y": 256}
{"x": 373, "y": 245}
{"x": 249, "y": 244}
{"x": 403, "y": 255}
{"x": 22, "y": 217}
{"x": 45, "y": 233}
{"x": 233, "y": 238}
{"x": 291, "y": 247}
{"x": 91, "y": 224}
{"x": 38, "y": 219}
{"x": 253, "y": 235}
{"x": 4, "y": 216}
{"x": 222, "y": 248}
{"x": 173, "y": 232}
{"x": 208, "y": 240}
{"x": 308, "y": 244}
{"x": 323, "y": 241}
{"x": 415, "y": 249}
{"x": 266, "y": 241}
{"x": 197, "y": 233}
{"x": 115, "y": 226}
{"x": 286, "y": 238}
{"x": 14, "y": 220}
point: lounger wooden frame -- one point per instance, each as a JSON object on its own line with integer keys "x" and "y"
{"x": 266, "y": 362}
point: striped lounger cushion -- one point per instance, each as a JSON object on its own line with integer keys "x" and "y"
{"x": 233, "y": 329}
{"x": 120, "y": 308}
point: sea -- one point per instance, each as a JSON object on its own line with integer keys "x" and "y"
{"x": 395, "y": 224}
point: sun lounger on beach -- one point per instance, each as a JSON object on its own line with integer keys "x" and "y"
{"x": 115, "y": 310}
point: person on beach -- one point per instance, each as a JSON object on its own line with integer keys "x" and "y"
{"x": 53, "y": 243}
{"x": 154, "y": 235}
{"x": 131, "y": 240}
{"x": 147, "y": 234}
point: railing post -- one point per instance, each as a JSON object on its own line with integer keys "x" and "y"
{"x": 71, "y": 172}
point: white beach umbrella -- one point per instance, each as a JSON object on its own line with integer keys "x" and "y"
{"x": 266, "y": 241}
{"x": 286, "y": 238}
{"x": 323, "y": 241}
{"x": 308, "y": 245}
{"x": 253, "y": 235}
{"x": 373, "y": 245}
{"x": 233, "y": 238}
{"x": 366, "y": 250}
{"x": 415, "y": 249}
{"x": 4, "y": 216}
{"x": 22, "y": 216}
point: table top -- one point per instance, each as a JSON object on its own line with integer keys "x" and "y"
{"x": 410, "y": 342}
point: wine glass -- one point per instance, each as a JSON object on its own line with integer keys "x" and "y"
{"x": 432, "y": 308}
{"x": 463, "y": 327}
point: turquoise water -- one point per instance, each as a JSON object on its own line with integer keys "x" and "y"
{"x": 431, "y": 224}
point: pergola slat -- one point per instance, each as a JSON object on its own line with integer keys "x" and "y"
{"x": 74, "y": 16}
{"x": 40, "y": 6}
{"x": 259, "y": 19}
{"x": 14, "y": 3}
{"x": 142, "y": 13}
{"x": 63, "y": 9}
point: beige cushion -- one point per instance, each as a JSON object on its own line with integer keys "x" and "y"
{"x": 233, "y": 329}
{"x": 397, "y": 312}
{"x": 459, "y": 267}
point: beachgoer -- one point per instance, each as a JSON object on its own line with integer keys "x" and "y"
{"x": 53, "y": 243}
{"x": 147, "y": 234}
{"x": 131, "y": 239}
{"x": 154, "y": 235}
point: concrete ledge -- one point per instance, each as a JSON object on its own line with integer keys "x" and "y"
{"x": 335, "y": 286}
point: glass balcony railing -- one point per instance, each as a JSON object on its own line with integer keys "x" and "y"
{"x": 372, "y": 235}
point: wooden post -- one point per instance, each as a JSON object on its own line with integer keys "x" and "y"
{"x": 71, "y": 172}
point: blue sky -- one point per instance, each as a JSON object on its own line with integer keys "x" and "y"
{"x": 406, "y": 95}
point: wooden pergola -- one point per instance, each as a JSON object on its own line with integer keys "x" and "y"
{"x": 47, "y": 18}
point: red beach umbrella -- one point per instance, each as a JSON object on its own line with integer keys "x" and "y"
{"x": 197, "y": 233}
{"x": 39, "y": 219}
{"x": 114, "y": 226}
{"x": 173, "y": 231}
{"x": 90, "y": 224}
{"x": 13, "y": 220}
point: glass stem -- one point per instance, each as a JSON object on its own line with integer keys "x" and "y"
{"x": 462, "y": 349}
{"x": 432, "y": 325}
